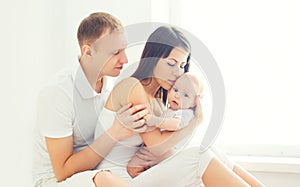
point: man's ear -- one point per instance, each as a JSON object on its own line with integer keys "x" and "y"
{"x": 86, "y": 50}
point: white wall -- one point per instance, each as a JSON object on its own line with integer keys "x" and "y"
{"x": 38, "y": 37}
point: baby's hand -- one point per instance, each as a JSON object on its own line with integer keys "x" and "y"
{"x": 152, "y": 120}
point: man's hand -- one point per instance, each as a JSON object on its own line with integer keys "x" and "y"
{"x": 130, "y": 120}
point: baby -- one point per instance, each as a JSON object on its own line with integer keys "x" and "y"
{"x": 182, "y": 98}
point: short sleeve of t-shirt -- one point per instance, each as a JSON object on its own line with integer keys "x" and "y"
{"x": 187, "y": 116}
{"x": 55, "y": 112}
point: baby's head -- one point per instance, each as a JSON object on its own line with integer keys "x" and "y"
{"x": 185, "y": 91}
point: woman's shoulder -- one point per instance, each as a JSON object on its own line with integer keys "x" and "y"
{"x": 128, "y": 83}
{"x": 129, "y": 80}
{"x": 127, "y": 90}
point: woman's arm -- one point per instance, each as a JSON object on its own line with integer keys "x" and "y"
{"x": 159, "y": 142}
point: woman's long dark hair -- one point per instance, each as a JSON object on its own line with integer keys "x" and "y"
{"x": 159, "y": 45}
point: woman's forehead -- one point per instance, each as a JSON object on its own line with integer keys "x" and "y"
{"x": 178, "y": 54}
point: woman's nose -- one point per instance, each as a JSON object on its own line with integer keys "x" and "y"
{"x": 176, "y": 71}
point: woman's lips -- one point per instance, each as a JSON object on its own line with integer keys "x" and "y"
{"x": 171, "y": 82}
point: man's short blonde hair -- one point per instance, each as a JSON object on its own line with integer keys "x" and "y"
{"x": 93, "y": 26}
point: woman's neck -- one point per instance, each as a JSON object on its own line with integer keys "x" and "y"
{"x": 151, "y": 86}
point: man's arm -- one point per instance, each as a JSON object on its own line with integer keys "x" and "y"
{"x": 65, "y": 163}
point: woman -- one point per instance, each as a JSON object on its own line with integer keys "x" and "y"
{"x": 166, "y": 55}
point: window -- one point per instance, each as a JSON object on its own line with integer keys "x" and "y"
{"x": 256, "y": 45}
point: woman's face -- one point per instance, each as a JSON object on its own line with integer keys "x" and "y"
{"x": 168, "y": 69}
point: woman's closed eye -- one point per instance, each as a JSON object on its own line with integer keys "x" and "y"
{"x": 174, "y": 64}
{"x": 171, "y": 64}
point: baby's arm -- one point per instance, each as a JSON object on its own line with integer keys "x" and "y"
{"x": 171, "y": 124}
{"x": 171, "y": 120}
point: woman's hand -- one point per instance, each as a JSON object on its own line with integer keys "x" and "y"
{"x": 197, "y": 120}
{"x": 198, "y": 114}
{"x": 149, "y": 159}
{"x": 144, "y": 160}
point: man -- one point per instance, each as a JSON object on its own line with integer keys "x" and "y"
{"x": 68, "y": 111}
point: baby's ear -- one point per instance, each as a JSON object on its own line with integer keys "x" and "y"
{"x": 197, "y": 98}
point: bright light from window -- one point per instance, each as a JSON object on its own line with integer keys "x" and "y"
{"x": 256, "y": 45}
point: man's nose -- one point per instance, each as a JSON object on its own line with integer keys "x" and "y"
{"x": 123, "y": 58}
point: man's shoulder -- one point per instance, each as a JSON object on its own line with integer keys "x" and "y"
{"x": 61, "y": 76}
{"x": 60, "y": 82}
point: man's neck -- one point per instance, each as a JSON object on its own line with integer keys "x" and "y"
{"x": 99, "y": 85}
{"x": 95, "y": 80}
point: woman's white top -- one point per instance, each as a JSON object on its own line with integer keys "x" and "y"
{"x": 122, "y": 152}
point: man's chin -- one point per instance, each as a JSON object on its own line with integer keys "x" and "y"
{"x": 115, "y": 74}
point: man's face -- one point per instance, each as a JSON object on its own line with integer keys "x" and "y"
{"x": 108, "y": 53}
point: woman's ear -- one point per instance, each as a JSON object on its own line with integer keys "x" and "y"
{"x": 86, "y": 50}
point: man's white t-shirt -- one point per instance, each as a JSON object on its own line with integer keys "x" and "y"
{"x": 67, "y": 106}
